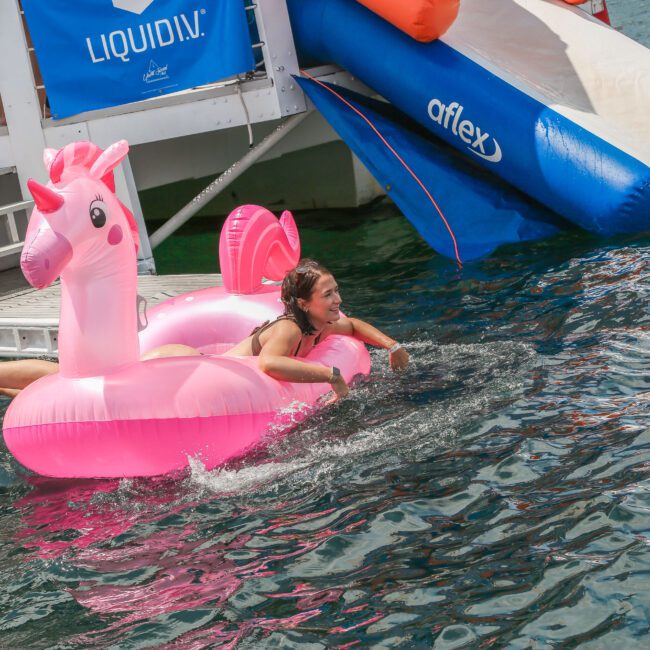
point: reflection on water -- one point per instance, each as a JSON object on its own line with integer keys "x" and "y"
{"x": 497, "y": 494}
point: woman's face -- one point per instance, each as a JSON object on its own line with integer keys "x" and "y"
{"x": 324, "y": 302}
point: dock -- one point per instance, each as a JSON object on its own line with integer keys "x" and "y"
{"x": 29, "y": 318}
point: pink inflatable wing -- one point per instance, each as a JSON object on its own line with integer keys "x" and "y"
{"x": 108, "y": 414}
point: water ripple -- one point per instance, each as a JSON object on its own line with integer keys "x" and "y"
{"x": 495, "y": 495}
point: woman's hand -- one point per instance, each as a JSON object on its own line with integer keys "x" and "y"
{"x": 399, "y": 359}
{"x": 340, "y": 387}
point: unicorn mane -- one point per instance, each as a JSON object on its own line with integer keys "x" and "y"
{"x": 83, "y": 154}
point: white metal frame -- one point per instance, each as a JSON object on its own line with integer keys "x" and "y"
{"x": 29, "y": 337}
{"x": 224, "y": 105}
{"x": 223, "y": 180}
{"x": 208, "y": 108}
{"x": 10, "y": 250}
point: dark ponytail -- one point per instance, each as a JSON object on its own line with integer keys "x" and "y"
{"x": 299, "y": 283}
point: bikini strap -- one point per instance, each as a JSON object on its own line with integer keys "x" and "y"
{"x": 256, "y": 346}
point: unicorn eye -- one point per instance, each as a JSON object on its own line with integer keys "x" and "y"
{"x": 98, "y": 213}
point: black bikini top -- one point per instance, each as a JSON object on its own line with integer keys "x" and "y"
{"x": 255, "y": 341}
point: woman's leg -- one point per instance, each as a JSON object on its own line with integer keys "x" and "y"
{"x": 15, "y": 375}
{"x": 170, "y": 350}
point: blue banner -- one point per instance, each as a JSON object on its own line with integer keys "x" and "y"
{"x": 100, "y": 53}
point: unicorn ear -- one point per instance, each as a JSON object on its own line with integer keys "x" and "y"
{"x": 110, "y": 159}
{"x": 48, "y": 158}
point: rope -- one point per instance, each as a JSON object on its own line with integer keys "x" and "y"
{"x": 410, "y": 171}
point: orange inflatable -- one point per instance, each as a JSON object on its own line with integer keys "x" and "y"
{"x": 424, "y": 20}
{"x": 597, "y": 9}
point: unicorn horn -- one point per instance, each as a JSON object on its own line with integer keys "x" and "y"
{"x": 46, "y": 200}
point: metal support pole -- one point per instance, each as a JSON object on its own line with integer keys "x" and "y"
{"x": 19, "y": 97}
{"x": 221, "y": 182}
{"x": 127, "y": 190}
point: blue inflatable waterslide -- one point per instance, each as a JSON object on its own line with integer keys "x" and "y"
{"x": 539, "y": 95}
{"x": 459, "y": 209}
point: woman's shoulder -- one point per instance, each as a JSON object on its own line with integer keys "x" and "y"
{"x": 285, "y": 325}
{"x": 341, "y": 326}
{"x": 282, "y": 338}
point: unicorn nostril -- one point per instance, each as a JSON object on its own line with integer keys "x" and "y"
{"x": 44, "y": 255}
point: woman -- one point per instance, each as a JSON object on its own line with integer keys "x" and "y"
{"x": 311, "y": 313}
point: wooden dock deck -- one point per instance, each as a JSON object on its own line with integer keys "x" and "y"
{"x": 29, "y": 318}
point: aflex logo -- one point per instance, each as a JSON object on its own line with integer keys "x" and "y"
{"x": 134, "y": 6}
{"x": 466, "y": 130}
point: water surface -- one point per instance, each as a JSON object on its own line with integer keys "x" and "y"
{"x": 495, "y": 495}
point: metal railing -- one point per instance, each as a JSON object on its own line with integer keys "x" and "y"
{"x": 13, "y": 225}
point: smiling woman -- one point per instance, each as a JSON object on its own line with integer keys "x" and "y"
{"x": 312, "y": 303}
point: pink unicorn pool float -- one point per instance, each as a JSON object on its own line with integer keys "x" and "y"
{"x": 107, "y": 414}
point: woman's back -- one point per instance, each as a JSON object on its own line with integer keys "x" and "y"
{"x": 283, "y": 329}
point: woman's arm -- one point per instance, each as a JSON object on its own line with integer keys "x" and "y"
{"x": 275, "y": 360}
{"x": 398, "y": 358}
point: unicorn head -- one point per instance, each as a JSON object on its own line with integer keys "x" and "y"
{"x": 79, "y": 230}
{"x": 77, "y": 220}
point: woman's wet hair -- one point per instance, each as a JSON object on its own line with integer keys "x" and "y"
{"x": 299, "y": 283}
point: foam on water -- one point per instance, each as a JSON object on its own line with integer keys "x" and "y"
{"x": 386, "y": 419}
